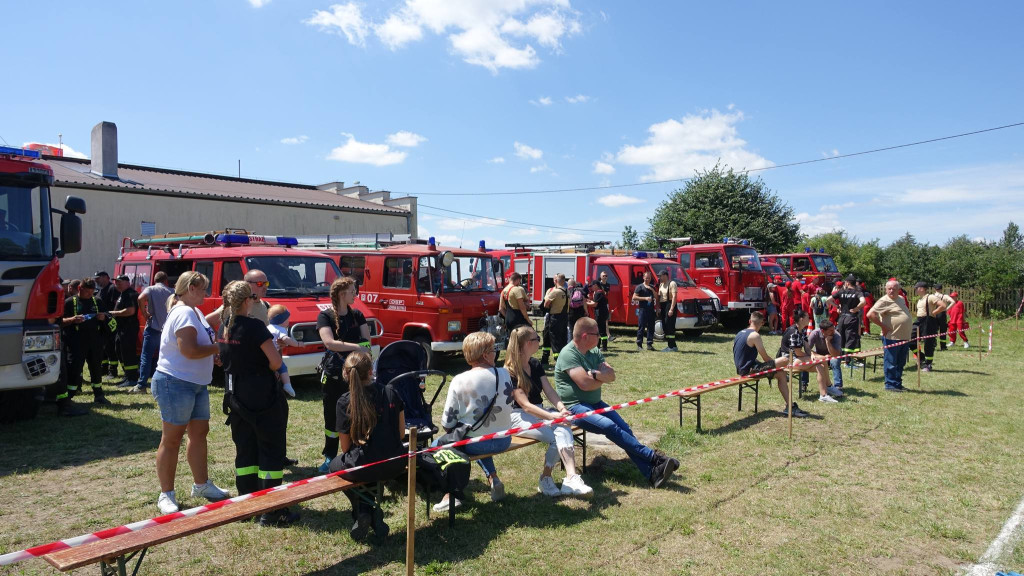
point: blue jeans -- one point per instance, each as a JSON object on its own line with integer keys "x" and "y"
{"x": 893, "y": 360}
{"x": 492, "y": 446}
{"x": 180, "y": 401}
{"x": 837, "y": 371}
{"x": 645, "y": 324}
{"x": 613, "y": 427}
{"x": 147, "y": 363}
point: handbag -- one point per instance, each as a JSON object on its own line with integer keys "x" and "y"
{"x": 462, "y": 430}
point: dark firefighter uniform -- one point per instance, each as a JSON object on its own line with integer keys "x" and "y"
{"x": 108, "y": 298}
{"x": 126, "y": 336}
{"x": 85, "y": 342}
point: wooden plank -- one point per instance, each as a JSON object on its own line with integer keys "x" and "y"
{"x": 718, "y": 386}
{"x": 111, "y": 548}
{"x": 868, "y": 354}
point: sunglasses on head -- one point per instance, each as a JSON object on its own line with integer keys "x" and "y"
{"x": 260, "y": 284}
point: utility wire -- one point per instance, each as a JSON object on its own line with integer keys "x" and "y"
{"x": 745, "y": 171}
{"x": 531, "y": 224}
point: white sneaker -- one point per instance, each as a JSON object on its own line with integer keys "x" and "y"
{"x": 166, "y": 503}
{"x": 827, "y": 399}
{"x": 574, "y": 486}
{"x": 442, "y": 506}
{"x": 547, "y": 487}
{"x": 835, "y": 391}
{"x": 209, "y": 491}
{"x": 967, "y": 345}
{"x": 289, "y": 390}
{"x": 497, "y": 490}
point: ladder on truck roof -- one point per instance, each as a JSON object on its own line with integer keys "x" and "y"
{"x": 564, "y": 247}
{"x": 368, "y": 240}
{"x": 183, "y": 240}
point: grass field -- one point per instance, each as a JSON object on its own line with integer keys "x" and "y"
{"x": 882, "y": 483}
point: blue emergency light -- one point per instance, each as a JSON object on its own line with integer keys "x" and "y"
{"x": 639, "y": 254}
{"x": 36, "y": 154}
{"x": 432, "y": 243}
{"x": 659, "y": 255}
{"x": 745, "y": 242}
{"x": 725, "y": 240}
{"x": 807, "y": 249}
{"x": 483, "y": 246}
{"x": 254, "y": 240}
{"x": 821, "y": 250}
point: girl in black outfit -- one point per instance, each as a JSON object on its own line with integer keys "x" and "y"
{"x": 371, "y": 425}
{"x": 343, "y": 330}
{"x": 258, "y": 413}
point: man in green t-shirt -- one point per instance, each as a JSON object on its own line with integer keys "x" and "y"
{"x": 579, "y": 374}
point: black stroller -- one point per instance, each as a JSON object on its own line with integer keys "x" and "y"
{"x": 403, "y": 365}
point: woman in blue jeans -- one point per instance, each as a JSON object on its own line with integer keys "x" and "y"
{"x": 480, "y": 398}
{"x": 187, "y": 351}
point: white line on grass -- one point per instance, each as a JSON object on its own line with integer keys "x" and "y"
{"x": 986, "y": 564}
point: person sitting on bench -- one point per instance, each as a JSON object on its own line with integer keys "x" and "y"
{"x": 579, "y": 374}
{"x": 528, "y": 376}
{"x": 747, "y": 346}
{"x": 826, "y": 341}
{"x": 481, "y": 399}
{"x": 371, "y": 425}
{"x": 794, "y": 340}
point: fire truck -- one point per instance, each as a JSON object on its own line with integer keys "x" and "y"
{"x": 31, "y": 298}
{"x": 697, "y": 308}
{"x": 420, "y": 291}
{"x": 732, "y": 270}
{"x": 809, "y": 264}
{"x": 299, "y": 279}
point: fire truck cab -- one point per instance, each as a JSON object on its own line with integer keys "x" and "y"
{"x": 31, "y": 298}
{"x": 697, "y": 308}
{"x": 808, "y": 265}
{"x": 420, "y": 291}
{"x": 732, "y": 270}
{"x": 300, "y": 280}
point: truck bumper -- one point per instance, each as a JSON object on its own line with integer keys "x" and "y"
{"x": 45, "y": 366}
{"x": 691, "y": 322}
{"x": 446, "y": 346}
{"x": 746, "y": 305}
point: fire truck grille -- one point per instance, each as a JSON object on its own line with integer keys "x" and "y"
{"x": 752, "y": 293}
{"x": 473, "y": 324}
{"x": 305, "y": 333}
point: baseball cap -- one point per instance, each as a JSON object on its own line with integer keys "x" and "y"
{"x": 938, "y": 286}
{"x": 851, "y": 278}
{"x": 123, "y": 277}
{"x": 921, "y": 284}
{"x": 954, "y": 295}
{"x": 100, "y": 273}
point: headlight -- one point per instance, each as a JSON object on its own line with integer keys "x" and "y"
{"x": 39, "y": 342}
{"x": 455, "y": 325}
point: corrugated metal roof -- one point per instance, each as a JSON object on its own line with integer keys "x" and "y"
{"x": 73, "y": 172}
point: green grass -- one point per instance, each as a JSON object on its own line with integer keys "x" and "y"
{"x": 913, "y": 483}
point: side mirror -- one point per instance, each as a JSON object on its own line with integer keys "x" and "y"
{"x": 71, "y": 233}
{"x": 74, "y": 205}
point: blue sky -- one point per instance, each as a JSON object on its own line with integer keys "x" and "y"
{"x": 451, "y": 96}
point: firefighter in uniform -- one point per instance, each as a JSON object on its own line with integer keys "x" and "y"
{"x": 59, "y": 390}
{"x": 556, "y": 326}
{"x": 942, "y": 319}
{"x": 107, "y": 293}
{"x": 126, "y": 335}
{"x": 928, "y": 307}
{"x": 84, "y": 317}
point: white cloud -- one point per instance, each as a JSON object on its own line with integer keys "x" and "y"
{"x": 527, "y": 152}
{"x": 366, "y": 153}
{"x": 603, "y": 168}
{"x": 345, "y": 19}
{"x": 819, "y": 223}
{"x": 259, "y": 3}
{"x": 494, "y": 34}
{"x": 538, "y": 168}
{"x": 676, "y": 148}
{"x": 496, "y": 160}
{"x": 405, "y": 139}
{"x": 577, "y": 99}
{"x": 542, "y": 101}
{"x": 568, "y": 237}
{"x": 832, "y": 154}
{"x": 69, "y": 152}
{"x": 616, "y": 200}
{"x": 295, "y": 140}
{"x": 837, "y": 207}
{"x": 528, "y": 232}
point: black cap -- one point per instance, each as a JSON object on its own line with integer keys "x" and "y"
{"x": 123, "y": 277}
{"x": 101, "y": 273}
{"x": 851, "y": 278}
{"x": 938, "y": 286}
{"x": 921, "y": 284}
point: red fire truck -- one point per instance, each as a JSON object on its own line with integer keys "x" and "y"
{"x": 732, "y": 270}
{"x": 420, "y": 291}
{"x": 31, "y": 298}
{"x": 697, "y": 308}
{"x": 300, "y": 280}
{"x": 809, "y": 264}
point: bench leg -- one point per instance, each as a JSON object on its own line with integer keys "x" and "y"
{"x": 739, "y": 403}
{"x": 580, "y": 440}
{"x": 864, "y": 374}
{"x": 121, "y": 568}
{"x": 680, "y": 411}
{"x": 698, "y": 413}
{"x": 756, "y": 393}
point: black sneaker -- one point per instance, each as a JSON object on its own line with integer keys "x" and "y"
{"x": 380, "y": 528}
{"x": 650, "y": 347}
{"x": 797, "y": 412}
{"x": 361, "y": 527}
{"x": 279, "y": 518}
{"x": 663, "y": 470}
{"x": 126, "y": 383}
{"x": 100, "y": 399}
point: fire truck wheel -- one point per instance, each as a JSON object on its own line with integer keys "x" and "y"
{"x": 18, "y": 405}
{"x": 692, "y": 333}
{"x": 433, "y": 358}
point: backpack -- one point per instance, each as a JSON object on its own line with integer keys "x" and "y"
{"x": 577, "y": 299}
{"x": 818, "y": 306}
{"x": 445, "y": 471}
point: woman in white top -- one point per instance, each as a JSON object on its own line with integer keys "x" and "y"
{"x": 469, "y": 402}
{"x": 185, "y": 369}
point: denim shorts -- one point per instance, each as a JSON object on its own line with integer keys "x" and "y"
{"x": 180, "y": 401}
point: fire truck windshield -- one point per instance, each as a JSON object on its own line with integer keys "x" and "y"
{"x": 25, "y": 222}
{"x": 825, "y": 264}
{"x": 294, "y": 276}
{"x": 675, "y": 272}
{"x": 469, "y": 273}
{"x": 743, "y": 258}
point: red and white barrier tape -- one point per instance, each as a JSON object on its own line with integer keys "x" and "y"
{"x": 37, "y": 551}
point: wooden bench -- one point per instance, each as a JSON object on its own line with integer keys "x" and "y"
{"x": 692, "y": 397}
{"x": 114, "y": 554}
{"x": 862, "y": 357}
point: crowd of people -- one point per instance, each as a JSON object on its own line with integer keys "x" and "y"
{"x": 364, "y": 422}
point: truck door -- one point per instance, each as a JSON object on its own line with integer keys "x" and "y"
{"x": 709, "y": 272}
{"x": 615, "y": 303}
{"x": 395, "y": 295}
{"x": 636, "y": 278}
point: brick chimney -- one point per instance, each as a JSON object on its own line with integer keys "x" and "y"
{"x": 104, "y": 150}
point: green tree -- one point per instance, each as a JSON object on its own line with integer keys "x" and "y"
{"x": 1012, "y": 238}
{"x": 960, "y": 261}
{"x": 719, "y": 202}
{"x": 630, "y": 239}
{"x": 909, "y": 261}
